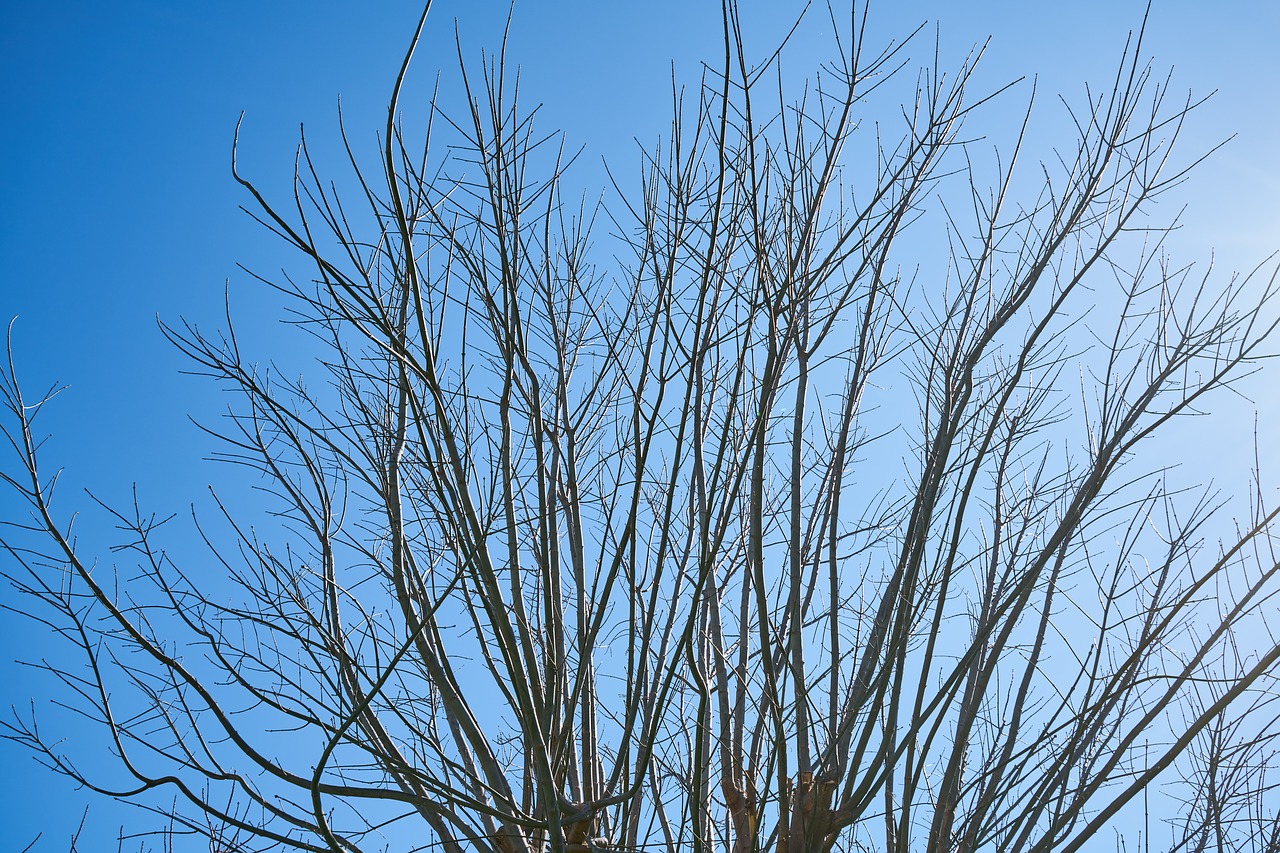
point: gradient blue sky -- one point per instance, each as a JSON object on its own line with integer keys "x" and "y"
{"x": 118, "y": 203}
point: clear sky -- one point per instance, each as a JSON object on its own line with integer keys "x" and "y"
{"x": 118, "y": 203}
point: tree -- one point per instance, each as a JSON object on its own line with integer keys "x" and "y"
{"x": 749, "y": 530}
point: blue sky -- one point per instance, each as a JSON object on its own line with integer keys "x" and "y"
{"x": 118, "y": 203}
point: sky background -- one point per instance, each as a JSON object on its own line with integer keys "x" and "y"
{"x": 118, "y": 203}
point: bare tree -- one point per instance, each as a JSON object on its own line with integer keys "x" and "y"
{"x": 717, "y": 518}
